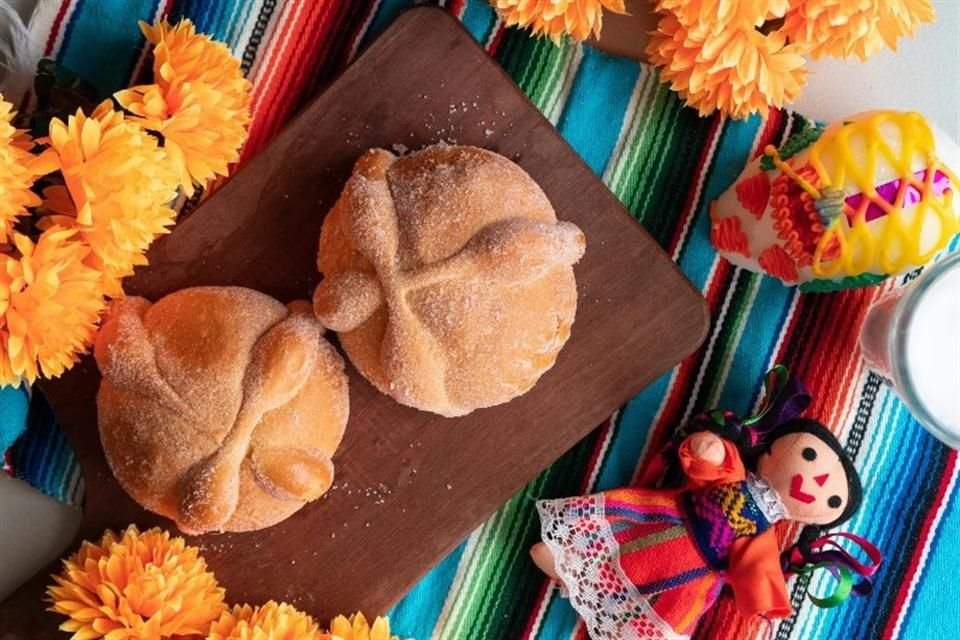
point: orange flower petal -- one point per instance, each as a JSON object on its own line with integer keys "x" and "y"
{"x": 114, "y": 576}
{"x": 200, "y": 102}
{"x": 578, "y": 19}
{"x": 712, "y": 55}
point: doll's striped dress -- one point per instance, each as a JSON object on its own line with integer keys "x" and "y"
{"x": 641, "y": 563}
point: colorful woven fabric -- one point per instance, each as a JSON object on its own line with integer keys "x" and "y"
{"x": 665, "y": 164}
{"x": 628, "y": 563}
{"x": 721, "y": 514}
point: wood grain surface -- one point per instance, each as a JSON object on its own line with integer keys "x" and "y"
{"x": 628, "y": 34}
{"x": 409, "y": 485}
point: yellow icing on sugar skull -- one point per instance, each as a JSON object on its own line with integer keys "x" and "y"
{"x": 848, "y": 205}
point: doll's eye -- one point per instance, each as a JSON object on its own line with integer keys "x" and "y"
{"x": 834, "y": 502}
{"x": 809, "y": 454}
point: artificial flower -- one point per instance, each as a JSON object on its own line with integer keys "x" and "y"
{"x": 50, "y": 301}
{"x": 846, "y": 28}
{"x": 738, "y": 70}
{"x": 271, "y": 621}
{"x": 719, "y": 15}
{"x": 199, "y": 102}
{"x": 117, "y": 192}
{"x": 136, "y": 586}
{"x": 17, "y": 172}
{"x": 356, "y": 627}
{"x": 577, "y": 18}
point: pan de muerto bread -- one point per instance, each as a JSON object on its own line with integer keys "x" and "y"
{"x": 220, "y": 407}
{"x": 447, "y": 277}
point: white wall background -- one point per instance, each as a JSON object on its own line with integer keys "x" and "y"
{"x": 923, "y": 75}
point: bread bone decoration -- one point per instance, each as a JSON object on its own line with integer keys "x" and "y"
{"x": 447, "y": 277}
{"x": 220, "y": 407}
{"x": 843, "y": 206}
{"x": 645, "y": 562}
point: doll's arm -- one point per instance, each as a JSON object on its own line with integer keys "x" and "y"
{"x": 708, "y": 459}
{"x": 759, "y": 586}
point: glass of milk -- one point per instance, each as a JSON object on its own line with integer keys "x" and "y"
{"x": 911, "y": 337}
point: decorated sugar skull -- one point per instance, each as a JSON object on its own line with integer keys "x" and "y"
{"x": 842, "y": 206}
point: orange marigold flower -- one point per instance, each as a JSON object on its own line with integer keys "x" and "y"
{"x": 722, "y": 14}
{"x": 578, "y": 19}
{"x": 271, "y": 621}
{"x": 200, "y": 102}
{"x": 18, "y": 168}
{"x": 50, "y": 301}
{"x": 118, "y": 189}
{"x": 845, "y": 28}
{"x": 136, "y": 586}
{"x": 728, "y": 66}
{"x": 356, "y": 627}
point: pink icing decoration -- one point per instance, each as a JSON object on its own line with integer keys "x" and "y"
{"x": 888, "y": 191}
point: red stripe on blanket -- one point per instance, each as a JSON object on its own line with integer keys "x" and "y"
{"x": 834, "y": 345}
{"x": 770, "y": 130}
{"x": 596, "y": 455}
{"x": 307, "y": 37}
{"x": 55, "y": 29}
{"x": 581, "y": 633}
{"x": 497, "y": 38}
{"x": 457, "y": 8}
{"x": 910, "y": 575}
{"x": 308, "y": 30}
{"x": 263, "y": 86}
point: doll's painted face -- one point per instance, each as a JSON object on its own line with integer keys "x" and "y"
{"x": 808, "y": 476}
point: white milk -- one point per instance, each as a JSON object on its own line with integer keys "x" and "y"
{"x": 932, "y": 348}
{"x": 911, "y": 337}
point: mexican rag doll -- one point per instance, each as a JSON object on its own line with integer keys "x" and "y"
{"x": 646, "y": 562}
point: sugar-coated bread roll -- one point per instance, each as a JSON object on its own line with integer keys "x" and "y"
{"x": 448, "y": 277}
{"x": 220, "y": 407}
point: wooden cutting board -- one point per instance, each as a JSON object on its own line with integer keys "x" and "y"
{"x": 410, "y": 485}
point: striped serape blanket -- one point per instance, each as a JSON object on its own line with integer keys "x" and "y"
{"x": 665, "y": 164}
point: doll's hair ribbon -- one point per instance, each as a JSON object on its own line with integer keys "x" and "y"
{"x": 784, "y": 398}
{"x": 853, "y": 575}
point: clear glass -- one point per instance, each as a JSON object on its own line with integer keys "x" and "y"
{"x": 908, "y": 322}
